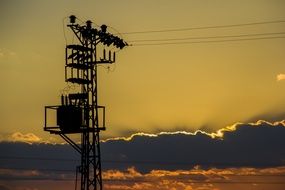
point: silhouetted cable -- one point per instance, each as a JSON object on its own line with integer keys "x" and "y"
{"x": 37, "y": 169}
{"x": 37, "y": 158}
{"x": 137, "y": 162}
{"x": 185, "y": 175}
{"x": 209, "y": 37}
{"x": 70, "y": 170}
{"x": 206, "y": 27}
{"x": 208, "y": 41}
{"x": 127, "y": 162}
{"x": 8, "y": 178}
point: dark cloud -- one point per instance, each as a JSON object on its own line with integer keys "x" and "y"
{"x": 260, "y": 145}
{"x": 2, "y": 187}
{"x": 250, "y": 145}
{"x": 37, "y": 156}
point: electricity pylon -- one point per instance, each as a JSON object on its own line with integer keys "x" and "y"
{"x": 79, "y": 112}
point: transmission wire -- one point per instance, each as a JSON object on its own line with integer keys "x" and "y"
{"x": 207, "y": 37}
{"x": 208, "y": 41}
{"x": 205, "y": 27}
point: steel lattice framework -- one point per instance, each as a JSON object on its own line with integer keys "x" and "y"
{"x": 79, "y": 112}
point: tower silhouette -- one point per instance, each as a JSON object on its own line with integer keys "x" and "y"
{"x": 79, "y": 112}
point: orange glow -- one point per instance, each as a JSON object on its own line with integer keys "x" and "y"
{"x": 32, "y": 138}
{"x": 218, "y": 134}
{"x": 196, "y": 179}
{"x": 193, "y": 179}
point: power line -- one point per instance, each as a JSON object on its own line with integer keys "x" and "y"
{"x": 205, "y": 27}
{"x": 208, "y": 37}
{"x": 71, "y": 171}
{"x": 136, "y": 162}
{"x": 141, "y": 179}
{"x": 209, "y": 41}
{"x": 37, "y": 158}
{"x": 38, "y": 169}
{"x": 119, "y": 162}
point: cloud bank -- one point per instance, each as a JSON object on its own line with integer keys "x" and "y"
{"x": 28, "y": 138}
{"x": 194, "y": 179}
{"x": 131, "y": 179}
{"x": 259, "y": 144}
{"x": 280, "y": 77}
{"x": 247, "y": 154}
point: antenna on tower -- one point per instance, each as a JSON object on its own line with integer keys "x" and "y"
{"x": 79, "y": 112}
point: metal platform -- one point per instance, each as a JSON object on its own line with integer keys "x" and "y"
{"x": 78, "y": 81}
{"x": 79, "y": 66}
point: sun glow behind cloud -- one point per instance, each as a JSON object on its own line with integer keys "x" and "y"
{"x": 32, "y": 138}
{"x": 218, "y": 134}
{"x": 146, "y": 80}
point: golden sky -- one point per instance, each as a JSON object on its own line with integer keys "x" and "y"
{"x": 151, "y": 88}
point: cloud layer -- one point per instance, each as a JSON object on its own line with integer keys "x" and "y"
{"x": 194, "y": 179}
{"x": 243, "y": 153}
{"x": 259, "y": 144}
{"x": 252, "y": 145}
{"x": 280, "y": 77}
{"x": 131, "y": 179}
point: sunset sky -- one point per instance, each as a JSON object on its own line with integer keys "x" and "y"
{"x": 152, "y": 88}
{"x": 204, "y": 81}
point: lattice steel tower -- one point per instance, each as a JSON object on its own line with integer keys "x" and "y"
{"x": 79, "y": 113}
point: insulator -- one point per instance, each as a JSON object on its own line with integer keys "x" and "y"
{"x": 72, "y": 19}
{"x": 104, "y": 28}
{"x": 88, "y": 24}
